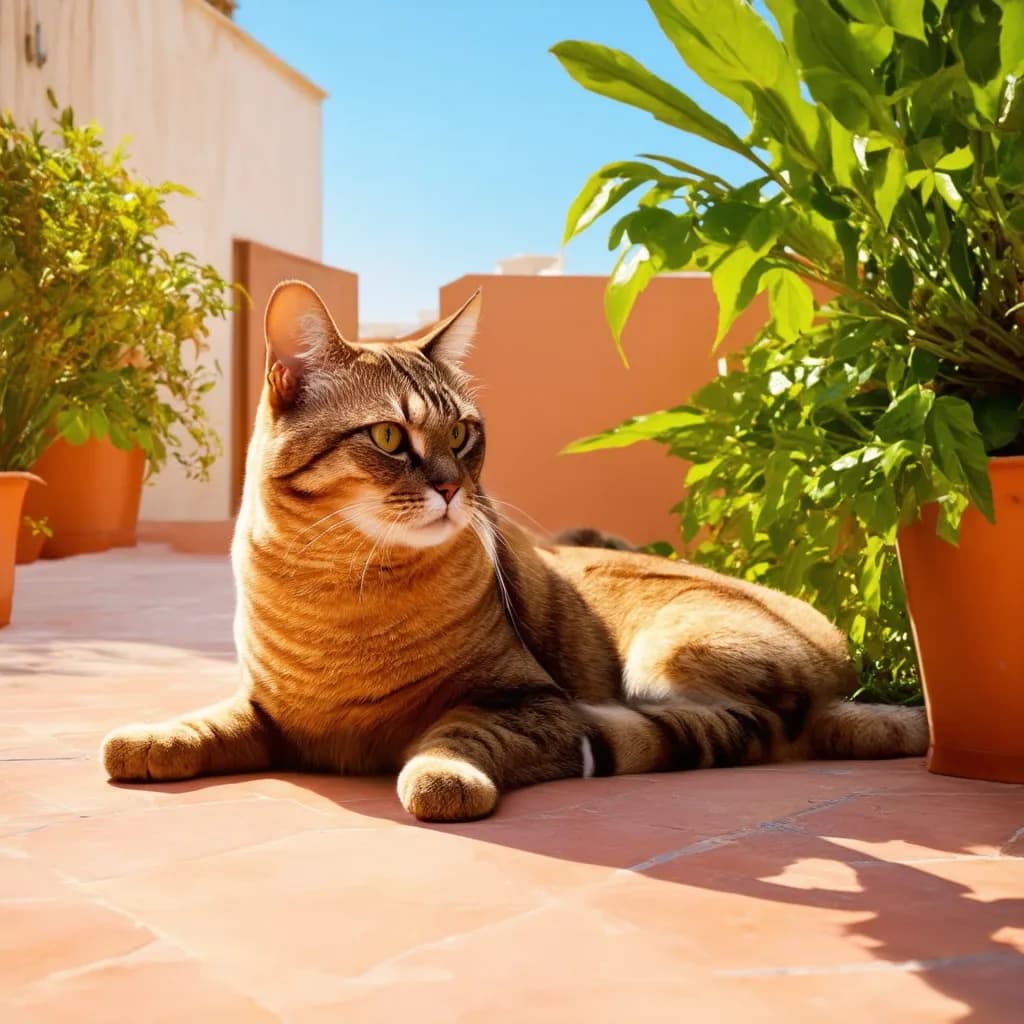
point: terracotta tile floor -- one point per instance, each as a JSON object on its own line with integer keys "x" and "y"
{"x": 842, "y": 892}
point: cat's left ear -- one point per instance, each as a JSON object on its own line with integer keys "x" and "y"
{"x": 451, "y": 340}
{"x": 302, "y": 340}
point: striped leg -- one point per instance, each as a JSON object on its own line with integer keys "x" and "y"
{"x": 500, "y": 738}
{"x": 230, "y": 737}
{"x": 678, "y": 734}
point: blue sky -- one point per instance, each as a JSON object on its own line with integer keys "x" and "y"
{"x": 452, "y": 137}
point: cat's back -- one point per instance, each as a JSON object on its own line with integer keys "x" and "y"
{"x": 629, "y": 588}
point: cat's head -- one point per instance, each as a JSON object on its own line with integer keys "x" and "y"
{"x": 383, "y": 437}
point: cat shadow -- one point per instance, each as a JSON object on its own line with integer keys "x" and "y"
{"x": 819, "y": 857}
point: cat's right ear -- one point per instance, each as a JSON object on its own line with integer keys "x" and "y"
{"x": 302, "y": 339}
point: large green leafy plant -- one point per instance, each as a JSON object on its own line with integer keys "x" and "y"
{"x": 101, "y": 327}
{"x": 887, "y": 168}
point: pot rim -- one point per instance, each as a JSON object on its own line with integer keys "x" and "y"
{"x": 1006, "y": 461}
{"x": 21, "y": 474}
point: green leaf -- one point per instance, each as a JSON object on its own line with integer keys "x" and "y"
{"x": 701, "y": 471}
{"x": 960, "y": 261}
{"x": 960, "y": 451}
{"x": 98, "y": 422}
{"x": 128, "y": 224}
{"x": 735, "y": 279}
{"x": 833, "y": 66}
{"x": 618, "y": 76}
{"x": 873, "y": 41}
{"x": 603, "y": 190}
{"x": 666, "y": 235}
{"x": 735, "y": 51}
{"x": 904, "y": 16}
{"x": 844, "y": 157}
{"x": 639, "y": 428}
{"x": 781, "y": 489}
{"x": 945, "y": 187}
{"x": 727, "y": 222}
{"x": 889, "y": 177}
{"x": 829, "y": 208}
{"x": 1011, "y": 39}
{"x": 906, "y": 416}
{"x": 120, "y": 438}
{"x": 951, "y": 509}
{"x": 872, "y": 561}
{"x": 632, "y": 274}
{"x": 930, "y": 97}
{"x": 849, "y": 241}
{"x": 1015, "y": 218}
{"x": 792, "y": 302}
{"x": 958, "y": 160}
{"x": 662, "y": 548}
{"x": 923, "y": 365}
{"x": 901, "y": 281}
{"x": 1000, "y": 418}
{"x": 72, "y": 427}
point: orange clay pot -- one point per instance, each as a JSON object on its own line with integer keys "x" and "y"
{"x": 30, "y": 545}
{"x": 12, "y": 494}
{"x": 967, "y": 609}
{"x": 91, "y": 499}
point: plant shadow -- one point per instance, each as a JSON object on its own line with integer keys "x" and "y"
{"x": 845, "y": 850}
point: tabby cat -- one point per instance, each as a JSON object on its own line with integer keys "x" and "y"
{"x": 391, "y": 620}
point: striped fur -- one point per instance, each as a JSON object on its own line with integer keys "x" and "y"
{"x": 382, "y": 627}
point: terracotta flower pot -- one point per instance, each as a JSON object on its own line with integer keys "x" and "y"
{"x": 12, "y": 494}
{"x": 30, "y": 545}
{"x": 967, "y": 608}
{"x": 91, "y": 499}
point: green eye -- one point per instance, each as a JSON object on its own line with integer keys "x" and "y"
{"x": 388, "y": 437}
{"x": 457, "y": 435}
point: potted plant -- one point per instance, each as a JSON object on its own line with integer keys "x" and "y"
{"x": 888, "y": 156}
{"x": 102, "y": 327}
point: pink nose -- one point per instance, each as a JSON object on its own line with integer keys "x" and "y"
{"x": 447, "y": 491}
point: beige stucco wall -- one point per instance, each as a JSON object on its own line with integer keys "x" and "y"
{"x": 205, "y": 105}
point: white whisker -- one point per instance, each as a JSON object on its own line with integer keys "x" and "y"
{"x": 488, "y": 535}
{"x": 515, "y": 508}
{"x": 381, "y": 543}
{"x": 346, "y": 511}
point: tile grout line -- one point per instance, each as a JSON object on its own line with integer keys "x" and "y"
{"x": 187, "y": 955}
{"x": 1004, "y": 850}
{"x": 769, "y": 825}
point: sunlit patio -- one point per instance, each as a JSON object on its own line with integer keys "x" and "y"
{"x": 841, "y": 891}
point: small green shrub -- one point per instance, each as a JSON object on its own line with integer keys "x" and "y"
{"x": 101, "y": 327}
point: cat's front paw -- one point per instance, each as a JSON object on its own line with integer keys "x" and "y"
{"x": 435, "y": 788}
{"x": 152, "y": 753}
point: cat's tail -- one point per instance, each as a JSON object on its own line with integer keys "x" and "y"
{"x": 676, "y": 735}
{"x": 588, "y": 537}
{"x": 849, "y": 730}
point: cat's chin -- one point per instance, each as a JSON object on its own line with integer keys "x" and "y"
{"x": 429, "y": 535}
{"x": 414, "y": 535}
{"x": 436, "y": 524}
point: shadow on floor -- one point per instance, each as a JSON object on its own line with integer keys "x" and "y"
{"x": 906, "y": 908}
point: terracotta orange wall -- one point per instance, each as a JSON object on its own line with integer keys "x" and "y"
{"x": 550, "y": 374}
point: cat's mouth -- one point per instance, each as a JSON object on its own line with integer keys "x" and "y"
{"x": 450, "y": 517}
